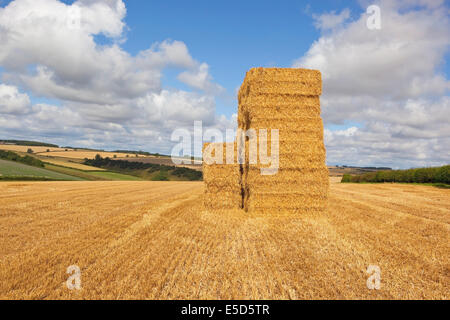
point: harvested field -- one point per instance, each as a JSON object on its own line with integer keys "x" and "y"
{"x": 36, "y": 149}
{"x": 82, "y": 154}
{"x": 70, "y": 153}
{"x": 69, "y": 164}
{"x": 154, "y": 240}
{"x": 115, "y": 176}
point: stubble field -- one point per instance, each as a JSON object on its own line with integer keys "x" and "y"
{"x": 154, "y": 240}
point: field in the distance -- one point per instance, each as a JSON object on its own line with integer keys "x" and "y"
{"x": 13, "y": 169}
{"x": 36, "y": 149}
{"x": 83, "y": 154}
{"x": 115, "y": 176}
{"x": 167, "y": 161}
{"x": 62, "y": 162}
{"x": 66, "y": 152}
{"x": 154, "y": 240}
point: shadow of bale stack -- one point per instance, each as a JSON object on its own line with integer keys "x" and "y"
{"x": 286, "y": 100}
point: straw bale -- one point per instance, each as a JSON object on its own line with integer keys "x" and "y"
{"x": 287, "y": 163}
{"x": 285, "y": 200}
{"x": 261, "y": 81}
{"x": 281, "y": 102}
{"x": 291, "y": 143}
{"x": 216, "y": 188}
{"x": 222, "y": 181}
{"x": 291, "y": 154}
{"x": 300, "y": 176}
{"x": 299, "y": 125}
{"x": 279, "y": 106}
{"x": 228, "y": 150}
{"x": 308, "y": 186}
{"x": 284, "y": 74}
{"x": 298, "y": 135}
{"x": 227, "y": 172}
{"x": 275, "y": 210}
{"x": 295, "y": 89}
{"x": 296, "y": 160}
{"x": 222, "y": 200}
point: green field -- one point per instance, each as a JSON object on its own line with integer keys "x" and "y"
{"x": 84, "y": 175}
{"x": 14, "y": 166}
{"x": 114, "y": 176}
{"x": 10, "y": 170}
{"x": 93, "y": 175}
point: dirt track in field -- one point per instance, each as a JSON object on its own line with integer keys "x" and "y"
{"x": 154, "y": 240}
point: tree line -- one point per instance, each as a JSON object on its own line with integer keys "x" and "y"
{"x": 29, "y": 143}
{"x": 12, "y": 156}
{"x": 420, "y": 175}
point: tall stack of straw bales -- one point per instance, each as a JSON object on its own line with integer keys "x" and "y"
{"x": 287, "y": 100}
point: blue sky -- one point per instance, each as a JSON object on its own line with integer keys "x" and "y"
{"x": 135, "y": 71}
{"x": 231, "y": 36}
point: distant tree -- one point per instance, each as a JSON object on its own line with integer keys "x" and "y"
{"x": 11, "y": 156}
{"x": 419, "y": 175}
{"x": 127, "y": 155}
{"x": 30, "y": 150}
{"x": 346, "y": 178}
{"x": 66, "y": 150}
{"x": 137, "y": 156}
{"x": 161, "y": 176}
{"x": 48, "y": 150}
{"x": 115, "y": 156}
{"x": 442, "y": 174}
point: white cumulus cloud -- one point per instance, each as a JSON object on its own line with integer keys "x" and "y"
{"x": 388, "y": 80}
{"x": 12, "y": 101}
{"x": 106, "y": 96}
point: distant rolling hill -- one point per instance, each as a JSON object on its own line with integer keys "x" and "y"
{"x": 166, "y": 161}
{"x": 10, "y": 170}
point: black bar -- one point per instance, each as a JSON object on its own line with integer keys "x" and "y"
{"x": 242, "y": 309}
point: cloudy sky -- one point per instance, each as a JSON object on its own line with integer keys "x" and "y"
{"x": 119, "y": 74}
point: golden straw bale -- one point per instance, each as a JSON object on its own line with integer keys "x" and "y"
{"x": 292, "y": 161}
{"x": 280, "y": 107}
{"x": 312, "y": 187}
{"x": 275, "y": 211}
{"x": 222, "y": 200}
{"x": 222, "y": 180}
{"x": 281, "y": 102}
{"x": 284, "y": 200}
{"x": 218, "y": 188}
{"x": 279, "y": 88}
{"x": 228, "y": 150}
{"x": 284, "y": 74}
{"x": 260, "y": 81}
{"x": 300, "y": 176}
{"x": 297, "y": 124}
{"x": 227, "y": 172}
